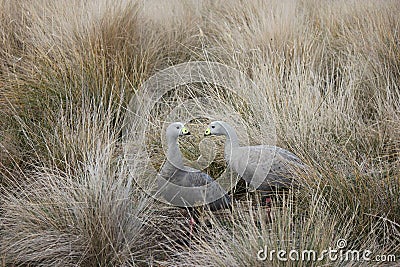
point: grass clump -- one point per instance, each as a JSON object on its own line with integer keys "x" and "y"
{"x": 327, "y": 76}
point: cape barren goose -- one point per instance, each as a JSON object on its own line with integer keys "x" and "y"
{"x": 263, "y": 167}
{"x": 184, "y": 186}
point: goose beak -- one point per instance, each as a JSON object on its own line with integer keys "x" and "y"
{"x": 207, "y": 132}
{"x": 185, "y": 131}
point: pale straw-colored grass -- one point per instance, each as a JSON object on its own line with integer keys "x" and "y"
{"x": 327, "y": 71}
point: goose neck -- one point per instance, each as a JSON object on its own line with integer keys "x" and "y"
{"x": 174, "y": 155}
{"x": 231, "y": 136}
{"x": 231, "y": 142}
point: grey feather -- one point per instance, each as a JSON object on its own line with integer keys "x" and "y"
{"x": 187, "y": 187}
{"x": 263, "y": 167}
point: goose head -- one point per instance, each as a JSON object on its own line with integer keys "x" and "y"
{"x": 176, "y": 129}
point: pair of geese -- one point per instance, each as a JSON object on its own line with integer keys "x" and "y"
{"x": 265, "y": 168}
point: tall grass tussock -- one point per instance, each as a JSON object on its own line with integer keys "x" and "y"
{"x": 327, "y": 71}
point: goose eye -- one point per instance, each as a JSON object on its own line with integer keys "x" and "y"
{"x": 213, "y": 126}
{"x": 177, "y": 127}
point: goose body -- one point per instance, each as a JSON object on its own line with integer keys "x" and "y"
{"x": 184, "y": 186}
{"x": 265, "y": 168}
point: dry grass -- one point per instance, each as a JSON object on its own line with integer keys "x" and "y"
{"x": 329, "y": 74}
{"x": 291, "y": 228}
